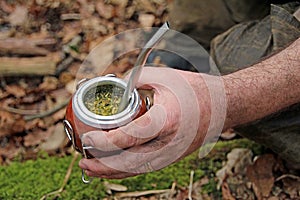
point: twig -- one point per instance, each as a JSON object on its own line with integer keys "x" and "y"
{"x": 191, "y": 185}
{"x": 172, "y": 191}
{"x": 288, "y": 176}
{"x": 44, "y": 41}
{"x": 70, "y": 16}
{"x": 48, "y": 112}
{"x": 141, "y": 193}
{"x": 19, "y": 111}
{"x": 67, "y": 176}
{"x": 27, "y": 66}
{"x": 73, "y": 43}
{"x": 64, "y": 65}
{"x": 21, "y": 47}
{"x": 68, "y": 51}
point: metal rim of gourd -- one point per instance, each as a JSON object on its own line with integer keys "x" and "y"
{"x": 99, "y": 121}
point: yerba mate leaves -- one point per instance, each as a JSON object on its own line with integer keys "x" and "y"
{"x": 104, "y": 100}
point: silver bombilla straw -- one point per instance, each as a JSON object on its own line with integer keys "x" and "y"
{"x": 140, "y": 62}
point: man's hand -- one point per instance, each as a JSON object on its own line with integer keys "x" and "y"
{"x": 175, "y": 125}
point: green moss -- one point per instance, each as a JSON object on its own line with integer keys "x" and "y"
{"x": 33, "y": 179}
{"x": 178, "y": 172}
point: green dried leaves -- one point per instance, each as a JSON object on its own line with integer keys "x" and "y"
{"x": 104, "y": 99}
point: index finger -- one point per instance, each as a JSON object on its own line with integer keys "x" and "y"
{"x": 139, "y": 131}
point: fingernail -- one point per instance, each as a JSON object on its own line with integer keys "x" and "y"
{"x": 82, "y": 164}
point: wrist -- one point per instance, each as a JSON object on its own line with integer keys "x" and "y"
{"x": 263, "y": 88}
{"x": 212, "y": 105}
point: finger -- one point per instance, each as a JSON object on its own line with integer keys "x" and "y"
{"x": 94, "y": 168}
{"x": 150, "y": 76}
{"x": 114, "y": 176}
{"x": 143, "y": 129}
{"x": 133, "y": 160}
{"x": 136, "y": 160}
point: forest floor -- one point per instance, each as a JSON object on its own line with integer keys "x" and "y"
{"x": 42, "y": 46}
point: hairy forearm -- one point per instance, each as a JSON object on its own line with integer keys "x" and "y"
{"x": 264, "y": 88}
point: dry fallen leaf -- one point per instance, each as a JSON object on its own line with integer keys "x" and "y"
{"x": 228, "y": 134}
{"x": 114, "y": 187}
{"x": 105, "y": 10}
{"x": 59, "y": 95}
{"x": 3, "y": 94}
{"x": 6, "y": 7}
{"x": 226, "y": 194}
{"x": 10, "y": 123}
{"x": 71, "y": 87}
{"x": 145, "y": 5}
{"x": 261, "y": 175}
{"x": 146, "y": 20}
{"x": 70, "y": 31}
{"x": 86, "y": 9}
{"x": 94, "y": 25}
{"x": 121, "y": 3}
{"x": 237, "y": 161}
{"x": 240, "y": 187}
{"x": 37, "y": 136}
{"x": 34, "y": 124}
{"x": 297, "y": 14}
{"x": 198, "y": 187}
{"x": 15, "y": 90}
{"x": 56, "y": 140}
{"x": 9, "y": 150}
{"x": 18, "y": 16}
{"x": 273, "y": 198}
{"x": 31, "y": 98}
{"x": 21, "y": 47}
{"x": 65, "y": 77}
{"x": 19, "y": 124}
{"x": 140, "y": 194}
{"x": 49, "y": 83}
{"x": 59, "y": 115}
{"x": 129, "y": 12}
{"x": 291, "y": 185}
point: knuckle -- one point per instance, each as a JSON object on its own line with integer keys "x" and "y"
{"x": 132, "y": 141}
{"x": 129, "y": 166}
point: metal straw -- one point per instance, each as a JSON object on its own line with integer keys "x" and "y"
{"x": 140, "y": 62}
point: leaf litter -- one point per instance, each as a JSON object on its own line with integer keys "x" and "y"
{"x": 33, "y": 98}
